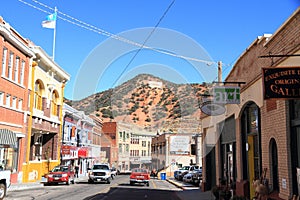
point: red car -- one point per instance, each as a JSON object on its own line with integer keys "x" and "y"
{"x": 61, "y": 174}
{"x": 139, "y": 175}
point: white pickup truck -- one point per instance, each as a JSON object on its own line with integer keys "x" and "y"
{"x": 4, "y": 182}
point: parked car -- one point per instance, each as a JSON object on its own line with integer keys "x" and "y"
{"x": 114, "y": 172}
{"x": 188, "y": 177}
{"x": 100, "y": 172}
{"x": 61, "y": 174}
{"x": 197, "y": 176}
{"x": 181, "y": 175}
{"x": 139, "y": 175}
{"x": 178, "y": 173}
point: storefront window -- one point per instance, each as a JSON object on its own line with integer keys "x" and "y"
{"x": 8, "y": 159}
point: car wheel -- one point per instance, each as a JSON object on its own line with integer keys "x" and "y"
{"x": 2, "y": 191}
{"x": 73, "y": 181}
{"x": 108, "y": 181}
{"x": 69, "y": 181}
{"x": 112, "y": 176}
{"x": 147, "y": 184}
{"x": 131, "y": 183}
{"x": 90, "y": 181}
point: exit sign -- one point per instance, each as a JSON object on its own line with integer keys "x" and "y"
{"x": 226, "y": 95}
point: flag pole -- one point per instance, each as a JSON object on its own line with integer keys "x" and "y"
{"x": 54, "y": 35}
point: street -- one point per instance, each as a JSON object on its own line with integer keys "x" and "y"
{"x": 118, "y": 189}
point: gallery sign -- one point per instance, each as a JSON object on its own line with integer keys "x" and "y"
{"x": 281, "y": 82}
{"x": 226, "y": 95}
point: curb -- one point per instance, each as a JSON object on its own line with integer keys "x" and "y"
{"x": 174, "y": 183}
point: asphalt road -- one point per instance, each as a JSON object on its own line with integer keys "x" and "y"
{"x": 118, "y": 189}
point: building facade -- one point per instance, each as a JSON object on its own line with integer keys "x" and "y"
{"x": 81, "y": 141}
{"x": 170, "y": 151}
{"x": 140, "y": 150}
{"x": 44, "y": 117}
{"x": 16, "y": 58}
{"x": 259, "y": 137}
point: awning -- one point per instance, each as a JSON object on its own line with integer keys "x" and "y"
{"x": 83, "y": 152}
{"x": 7, "y": 137}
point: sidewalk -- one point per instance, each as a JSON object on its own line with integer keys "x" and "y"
{"x": 190, "y": 192}
{"x": 38, "y": 184}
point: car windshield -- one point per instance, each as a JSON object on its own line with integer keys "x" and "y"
{"x": 104, "y": 167}
{"x": 186, "y": 168}
{"x": 139, "y": 170}
{"x": 60, "y": 169}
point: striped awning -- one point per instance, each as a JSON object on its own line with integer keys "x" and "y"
{"x": 7, "y": 137}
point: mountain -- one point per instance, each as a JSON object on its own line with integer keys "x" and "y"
{"x": 148, "y": 102}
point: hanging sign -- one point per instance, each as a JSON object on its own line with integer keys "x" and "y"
{"x": 212, "y": 109}
{"x": 226, "y": 94}
{"x": 281, "y": 82}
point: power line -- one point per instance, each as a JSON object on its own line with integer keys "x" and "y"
{"x": 92, "y": 28}
{"x": 134, "y": 56}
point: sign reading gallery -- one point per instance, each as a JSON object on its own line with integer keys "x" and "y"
{"x": 281, "y": 82}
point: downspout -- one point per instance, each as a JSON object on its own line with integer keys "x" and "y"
{"x": 61, "y": 119}
{"x": 34, "y": 64}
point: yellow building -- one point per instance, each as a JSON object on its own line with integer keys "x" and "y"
{"x": 44, "y": 116}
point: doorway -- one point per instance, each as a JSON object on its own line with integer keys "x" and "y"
{"x": 274, "y": 165}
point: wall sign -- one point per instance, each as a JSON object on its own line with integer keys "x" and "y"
{"x": 226, "y": 94}
{"x": 281, "y": 82}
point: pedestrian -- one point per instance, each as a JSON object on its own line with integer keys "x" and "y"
{"x": 76, "y": 171}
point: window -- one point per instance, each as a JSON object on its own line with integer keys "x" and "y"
{"x": 16, "y": 74}
{"x": 120, "y": 148}
{"x": 4, "y": 57}
{"x": 8, "y": 100}
{"x": 14, "y": 103}
{"x": 22, "y": 72}
{"x": 20, "y": 104}
{"x": 144, "y": 143}
{"x": 120, "y": 134}
{"x": 54, "y": 103}
{"x": 10, "y": 65}
{"x": 38, "y": 95}
{"x": 1, "y": 98}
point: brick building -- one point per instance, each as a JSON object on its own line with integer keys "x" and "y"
{"x": 259, "y": 137}
{"x": 16, "y": 58}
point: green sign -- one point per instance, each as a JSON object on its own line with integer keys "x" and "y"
{"x": 226, "y": 95}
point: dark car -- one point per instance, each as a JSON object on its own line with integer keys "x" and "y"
{"x": 61, "y": 174}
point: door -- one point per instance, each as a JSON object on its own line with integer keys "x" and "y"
{"x": 274, "y": 165}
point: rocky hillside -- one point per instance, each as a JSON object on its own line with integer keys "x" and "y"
{"x": 148, "y": 102}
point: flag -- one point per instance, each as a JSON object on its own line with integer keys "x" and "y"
{"x": 50, "y": 21}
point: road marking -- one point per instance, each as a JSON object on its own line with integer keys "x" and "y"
{"x": 154, "y": 185}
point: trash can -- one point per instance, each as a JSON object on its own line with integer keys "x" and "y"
{"x": 163, "y": 176}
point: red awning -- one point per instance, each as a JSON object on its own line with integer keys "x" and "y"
{"x": 83, "y": 152}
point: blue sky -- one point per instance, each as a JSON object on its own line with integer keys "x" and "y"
{"x": 206, "y": 31}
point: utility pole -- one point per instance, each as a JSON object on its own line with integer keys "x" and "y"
{"x": 220, "y": 72}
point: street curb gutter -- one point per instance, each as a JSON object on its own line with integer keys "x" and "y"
{"x": 174, "y": 183}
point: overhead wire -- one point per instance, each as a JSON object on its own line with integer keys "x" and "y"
{"x": 145, "y": 41}
{"x": 106, "y": 33}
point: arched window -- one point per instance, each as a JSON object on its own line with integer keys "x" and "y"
{"x": 54, "y": 100}
{"x": 38, "y": 88}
